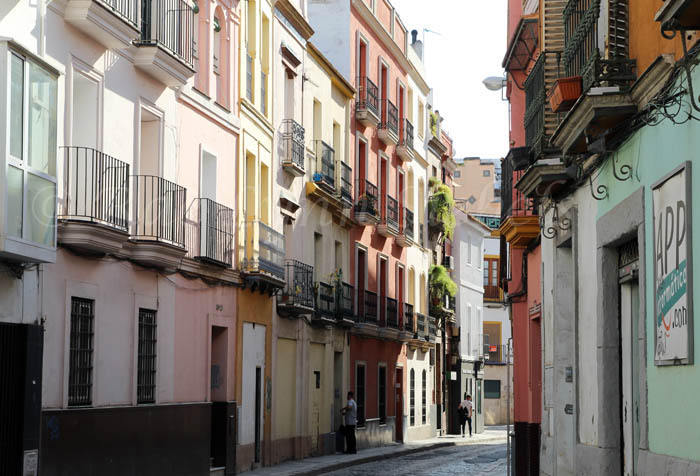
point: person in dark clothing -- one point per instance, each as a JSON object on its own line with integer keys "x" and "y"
{"x": 350, "y": 412}
{"x": 465, "y": 413}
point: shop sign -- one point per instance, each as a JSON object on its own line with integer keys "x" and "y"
{"x": 673, "y": 306}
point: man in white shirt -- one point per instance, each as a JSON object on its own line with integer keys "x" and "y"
{"x": 350, "y": 412}
{"x": 467, "y": 407}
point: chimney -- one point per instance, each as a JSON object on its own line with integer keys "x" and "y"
{"x": 417, "y": 44}
{"x": 414, "y": 36}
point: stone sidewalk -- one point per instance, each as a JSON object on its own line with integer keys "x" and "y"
{"x": 328, "y": 463}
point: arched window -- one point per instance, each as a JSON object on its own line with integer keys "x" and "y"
{"x": 424, "y": 415}
{"x": 412, "y": 398}
{"x": 217, "y": 46}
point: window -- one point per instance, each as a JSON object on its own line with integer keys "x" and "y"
{"x": 424, "y": 397}
{"x": 265, "y": 64}
{"x": 360, "y": 394}
{"x": 421, "y": 119}
{"x": 412, "y": 398}
{"x": 487, "y": 173}
{"x": 217, "y": 46}
{"x": 82, "y": 321}
{"x": 458, "y": 173}
{"x": 31, "y": 170}
{"x": 146, "y": 378}
{"x": 382, "y": 394}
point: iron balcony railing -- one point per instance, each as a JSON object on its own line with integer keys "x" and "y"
{"x": 159, "y": 212}
{"x": 367, "y": 95}
{"x": 263, "y": 250}
{"x": 392, "y": 313}
{"x": 96, "y": 188}
{"x": 513, "y": 201}
{"x": 370, "y": 304}
{"x": 406, "y": 134}
{"x": 408, "y": 317}
{"x": 215, "y": 232}
{"x": 535, "y": 95}
{"x": 298, "y": 289}
{"x": 347, "y": 302}
{"x": 345, "y": 182}
{"x": 249, "y": 77}
{"x": 392, "y": 212}
{"x": 325, "y": 165}
{"x": 390, "y": 117}
{"x": 127, "y": 9}
{"x": 168, "y": 24}
{"x": 263, "y": 93}
{"x": 421, "y": 234}
{"x": 408, "y": 227}
{"x": 325, "y": 300}
{"x": 432, "y": 328}
{"x": 420, "y": 325}
{"x": 498, "y": 354}
{"x": 293, "y": 143}
{"x": 367, "y": 198}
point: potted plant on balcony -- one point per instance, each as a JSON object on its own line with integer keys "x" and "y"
{"x": 440, "y": 285}
{"x": 441, "y": 220}
{"x": 565, "y": 93}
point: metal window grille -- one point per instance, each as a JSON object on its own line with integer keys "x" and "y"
{"x": 82, "y": 331}
{"x": 263, "y": 93}
{"x": 382, "y": 395}
{"x": 424, "y": 392}
{"x": 360, "y": 394}
{"x": 412, "y": 398}
{"x": 146, "y": 379}
{"x": 249, "y": 78}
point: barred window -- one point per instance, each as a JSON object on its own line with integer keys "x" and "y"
{"x": 413, "y": 397}
{"x": 82, "y": 322}
{"x": 146, "y": 379}
{"x": 424, "y": 415}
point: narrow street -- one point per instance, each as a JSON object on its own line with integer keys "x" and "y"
{"x": 474, "y": 460}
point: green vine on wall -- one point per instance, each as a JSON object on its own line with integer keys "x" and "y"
{"x": 440, "y": 283}
{"x": 440, "y": 207}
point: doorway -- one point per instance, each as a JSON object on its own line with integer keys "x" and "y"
{"x": 399, "y": 405}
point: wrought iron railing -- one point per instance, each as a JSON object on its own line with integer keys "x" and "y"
{"x": 370, "y": 304}
{"x": 367, "y": 95}
{"x": 408, "y": 317}
{"x": 408, "y": 227}
{"x": 345, "y": 181}
{"x": 580, "y": 36}
{"x": 392, "y": 313}
{"x": 406, "y": 134}
{"x": 293, "y": 143}
{"x": 390, "y": 117}
{"x": 498, "y": 354}
{"x": 170, "y": 25}
{"x": 420, "y": 325}
{"x": 263, "y": 93}
{"x": 432, "y": 328}
{"x": 347, "y": 301}
{"x": 215, "y": 232}
{"x": 535, "y": 95}
{"x": 367, "y": 198}
{"x": 159, "y": 212}
{"x": 513, "y": 201}
{"x": 421, "y": 234}
{"x": 392, "y": 212}
{"x": 96, "y": 188}
{"x": 325, "y": 300}
{"x": 127, "y": 9}
{"x": 325, "y": 165}
{"x": 299, "y": 285}
{"x": 249, "y": 77}
{"x": 263, "y": 250}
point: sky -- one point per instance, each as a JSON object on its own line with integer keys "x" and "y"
{"x": 469, "y": 48}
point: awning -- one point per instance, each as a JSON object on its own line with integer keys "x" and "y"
{"x": 523, "y": 45}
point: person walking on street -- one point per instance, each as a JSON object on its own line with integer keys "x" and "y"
{"x": 462, "y": 413}
{"x": 350, "y": 412}
{"x": 466, "y": 408}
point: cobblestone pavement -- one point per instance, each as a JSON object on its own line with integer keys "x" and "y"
{"x": 473, "y": 460}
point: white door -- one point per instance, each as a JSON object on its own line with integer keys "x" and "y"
{"x": 629, "y": 313}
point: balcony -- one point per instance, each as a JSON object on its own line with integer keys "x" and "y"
{"x": 405, "y": 238}
{"x": 370, "y": 308}
{"x": 519, "y": 222}
{"x": 367, "y": 102}
{"x": 165, "y": 47}
{"x": 263, "y": 263}
{"x": 535, "y": 105}
{"x": 158, "y": 228}
{"x": 448, "y": 262}
{"x": 421, "y": 321}
{"x": 112, "y": 23}
{"x": 366, "y": 213}
{"x": 212, "y": 242}
{"x": 421, "y": 235}
{"x": 605, "y": 101}
{"x": 346, "y": 307}
{"x": 345, "y": 184}
{"x": 408, "y": 318}
{"x": 389, "y": 226}
{"x": 432, "y": 329}
{"x": 495, "y": 354}
{"x": 331, "y": 182}
{"x": 325, "y": 303}
{"x": 686, "y": 14}
{"x": 95, "y": 213}
{"x": 493, "y": 293}
{"x": 388, "y": 131}
{"x": 293, "y": 147}
{"x": 297, "y": 296}
{"x": 392, "y": 313}
{"x": 405, "y": 148}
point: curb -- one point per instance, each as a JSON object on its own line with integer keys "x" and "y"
{"x": 395, "y": 454}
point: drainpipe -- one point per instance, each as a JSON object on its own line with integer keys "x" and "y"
{"x": 508, "y": 388}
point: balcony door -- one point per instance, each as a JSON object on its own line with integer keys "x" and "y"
{"x": 382, "y": 287}
{"x": 399, "y": 197}
{"x": 361, "y": 167}
{"x": 207, "y": 209}
{"x": 361, "y": 282}
{"x": 383, "y": 185}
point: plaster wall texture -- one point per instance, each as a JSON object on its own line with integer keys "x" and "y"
{"x": 331, "y": 22}
{"x": 253, "y": 357}
{"x": 496, "y": 409}
{"x": 418, "y": 361}
{"x": 19, "y": 301}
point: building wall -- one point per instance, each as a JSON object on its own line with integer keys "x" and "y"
{"x": 473, "y": 184}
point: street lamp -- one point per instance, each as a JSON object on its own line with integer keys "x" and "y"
{"x": 494, "y": 83}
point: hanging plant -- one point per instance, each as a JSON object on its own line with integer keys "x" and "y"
{"x": 217, "y": 25}
{"x": 440, "y": 207}
{"x": 440, "y": 284}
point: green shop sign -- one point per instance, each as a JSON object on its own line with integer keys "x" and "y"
{"x": 673, "y": 303}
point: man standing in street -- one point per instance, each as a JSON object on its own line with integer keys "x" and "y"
{"x": 466, "y": 408}
{"x": 350, "y": 412}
